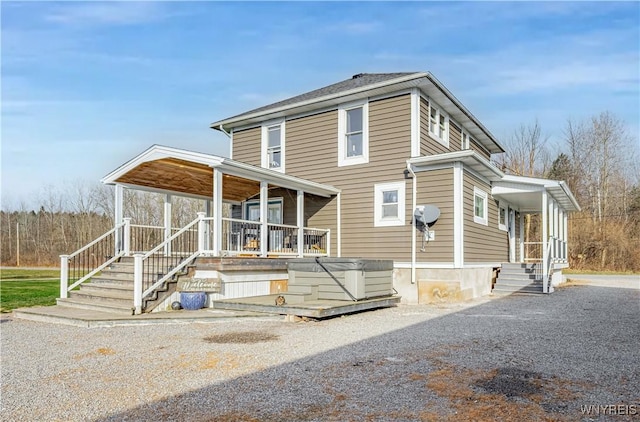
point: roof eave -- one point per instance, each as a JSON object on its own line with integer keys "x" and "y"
{"x": 222, "y": 123}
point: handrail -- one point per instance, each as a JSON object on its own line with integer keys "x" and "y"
{"x": 81, "y": 260}
{"x": 170, "y": 274}
{"x": 169, "y": 239}
{"x": 87, "y": 246}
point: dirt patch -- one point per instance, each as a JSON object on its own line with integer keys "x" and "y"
{"x": 241, "y": 337}
{"x": 512, "y": 382}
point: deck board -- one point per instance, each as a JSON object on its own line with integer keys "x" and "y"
{"x": 308, "y": 308}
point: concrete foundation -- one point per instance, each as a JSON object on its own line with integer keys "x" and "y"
{"x": 435, "y": 285}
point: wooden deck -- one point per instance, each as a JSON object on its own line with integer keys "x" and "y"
{"x": 298, "y": 306}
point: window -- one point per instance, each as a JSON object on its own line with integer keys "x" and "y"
{"x": 480, "y": 206}
{"x": 389, "y": 204}
{"x": 465, "y": 140}
{"x": 274, "y": 211}
{"x": 273, "y": 145}
{"x": 438, "y": 124}
{"x": 353, "y": 137}
{"x": 503, "y": 217}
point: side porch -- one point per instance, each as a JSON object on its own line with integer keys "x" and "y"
{"x": 247, "y": 212}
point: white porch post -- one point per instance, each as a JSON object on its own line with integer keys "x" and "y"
{"x": 556, "y": 230}
{"x": 118, "y": 215}
{"x": 521, "y": 237}
{"x": 137, "y": 283}
{"x": 217, "y": 211}
{"x": 300, "y": 222}
{"x": 264, "y": 212}
{"x": 551, "y": 224}
{"x": 511, "y": 227}
{"x": 167, "y": 224}
{"x": 565, "y": 228}
{"x": 64, "y": 276}
{"x": 127, "y": 236}
{"x": 545, "y": 229}
{"x": 208, "y": 212}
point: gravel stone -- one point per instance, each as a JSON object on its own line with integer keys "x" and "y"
{"x": 514, "y": 358}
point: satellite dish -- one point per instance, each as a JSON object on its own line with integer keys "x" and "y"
{"x": 430, "y": 213}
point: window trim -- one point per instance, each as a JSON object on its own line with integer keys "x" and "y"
{"x": 343, "y": 160}
{"x": 278, "y": 202}
{"x": 378, "y": 189}
{"x": 503, "y": 224}
{"x": 264, "y": 152}
{"x": 477, "y": 219}
{"x": 440, "y": 113}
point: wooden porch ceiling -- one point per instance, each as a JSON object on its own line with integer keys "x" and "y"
{"x": 180, "y": 176}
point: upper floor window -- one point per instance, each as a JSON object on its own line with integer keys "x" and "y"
{"x": 273, "y": 145}
{"x": 480, "y": 206}
{"x": 465, "y": 141}
{"x": 353, "y": 136}
{"x": 389, "y": 199}
{"x": 438, "y": 124}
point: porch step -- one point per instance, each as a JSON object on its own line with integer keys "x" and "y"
{"x": 92, "y": 305}
{"x": 115, "y": 297}
{"x": 518, "y": 278}
{"x": 105, "y": 287}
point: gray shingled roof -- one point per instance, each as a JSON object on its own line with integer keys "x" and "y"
{"x": 357, "y": 81}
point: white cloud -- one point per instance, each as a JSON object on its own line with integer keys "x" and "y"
{"x": 107, "y": 13}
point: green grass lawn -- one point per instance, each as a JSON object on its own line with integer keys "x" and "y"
{"x": 20, "y": 288}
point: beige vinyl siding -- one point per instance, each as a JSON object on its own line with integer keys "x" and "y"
{"x": 482, "y": 243}
{"x": 428, "y": 145}
{"x": 312, "y": 153}
{"x": 435, "y": 187}
{"x": 455, "y": 137}
{"x": 247, "y": 145}
{"x": 474, "y": 145}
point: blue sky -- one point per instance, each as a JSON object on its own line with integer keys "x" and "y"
{"x": 88, "y": 85}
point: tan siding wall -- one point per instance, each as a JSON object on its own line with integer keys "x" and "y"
{"x": 312, "y": 153}
{"x": 435, "y": 187}
{"x": 455, "y": 137}
{"x": 428, "y": 145}
{"x": 482, "y": 243}
{"x": 246, "y": 146}
{"x": 479, "y": 149}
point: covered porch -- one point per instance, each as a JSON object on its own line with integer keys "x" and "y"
{"x": 551, "y": 202}
{"x": 248, "y": 212}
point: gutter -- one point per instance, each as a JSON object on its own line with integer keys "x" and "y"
{"x": 414, "y": 199}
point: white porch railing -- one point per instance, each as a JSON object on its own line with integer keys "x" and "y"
{"x": 89, "y": 260}
{"x": 154, "y": 265}
{"x": 243, "y": 237}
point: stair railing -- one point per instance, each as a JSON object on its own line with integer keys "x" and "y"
{"x": 547, "y": 265}
{"x": 154, "y": 268}
{"x": 94, "y": 257}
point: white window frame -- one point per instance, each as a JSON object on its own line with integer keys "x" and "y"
{"x": 466, "y": 140}
{"x": 274, "y": 203}
{"x": 482, "y": 194}
{"x": 343, "y": 160}
{"x": 503, "y": 224}
{"x": 399, "y": 220}
{"x": 440, "y": 114}
{"x": 265, "y": 144}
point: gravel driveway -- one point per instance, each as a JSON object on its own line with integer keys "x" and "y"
{"x": 513, "y": 358}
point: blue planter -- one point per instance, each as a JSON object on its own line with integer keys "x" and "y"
{"x": 193, "y": 300}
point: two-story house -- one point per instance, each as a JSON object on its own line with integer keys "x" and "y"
{"x": 343, "y": 171}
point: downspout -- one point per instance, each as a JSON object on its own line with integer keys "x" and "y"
{"x": 414, "y": 193}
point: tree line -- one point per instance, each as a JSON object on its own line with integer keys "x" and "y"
{"x": 597, "y": 158}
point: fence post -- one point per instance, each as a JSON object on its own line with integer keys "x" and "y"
{"x": 127, "y": 236}
{"x": 201, "y": 231}
{"x": 328, "y": 242}
{"x": 64, "y": 276}
{"x": 137, "y": 283}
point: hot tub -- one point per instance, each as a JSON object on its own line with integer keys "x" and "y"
{"x": 362, "y": 278}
